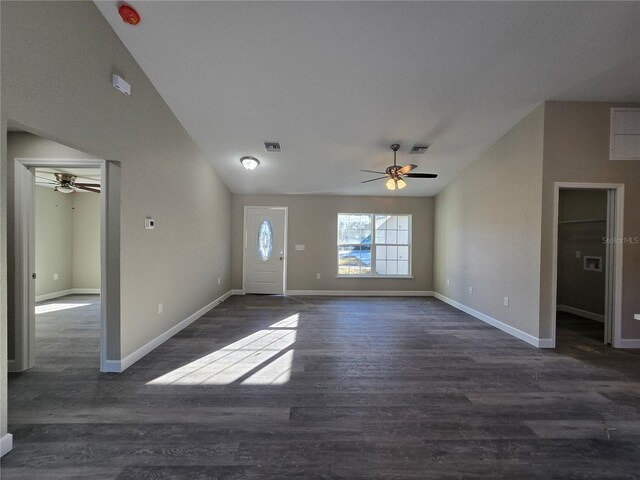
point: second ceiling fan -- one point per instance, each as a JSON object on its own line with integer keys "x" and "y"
{"x": 395, "y": 173}
{"x": 66, "y": 183}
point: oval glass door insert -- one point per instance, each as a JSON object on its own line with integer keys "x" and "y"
{"x": 265, "y": 240}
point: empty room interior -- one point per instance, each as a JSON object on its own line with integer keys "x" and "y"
{"x": 320, "y": 240}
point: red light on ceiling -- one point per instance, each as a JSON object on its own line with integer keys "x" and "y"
{"x": 129, "y": 14}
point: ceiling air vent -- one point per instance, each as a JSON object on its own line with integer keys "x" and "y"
{"x": 272, "y": 146}
{"x": 419, "y": 149}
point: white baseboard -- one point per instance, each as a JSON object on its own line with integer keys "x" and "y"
{"x": 237, "y": 292}
{"x": 363, "y": 293}
{"x": 6, "y": 444}
{"x": 64, "y": 293}
{"x": 111, "y": 366}
{"x": 85, "y": 291}
{"x": 546, "y": 343}
{"x": 580, "y": 313}
{"x": 118, "y": 366}
{"x": 52, "y": 295}
{"x": 629, "y": 343}
{"x": 12, "y": 366}
{"x": 530, "y": 339}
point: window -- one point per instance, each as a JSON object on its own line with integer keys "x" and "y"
{"x": 374, "y": 245}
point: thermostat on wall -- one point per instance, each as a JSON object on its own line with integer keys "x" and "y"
{"x": 149, "y": 223}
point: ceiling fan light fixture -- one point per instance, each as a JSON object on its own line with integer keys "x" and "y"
{"x": 250, "y": 163}
{"x": 401, "y": 184}
{"x": 391, "y": 184}
{"x": 64, "y": 189}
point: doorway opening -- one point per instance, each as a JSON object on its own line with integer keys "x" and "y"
{"x": 64, "y": 245}
{"x": 67, "y": 266}
{"x": 587, "y": 262}
{"x": 264, "y": 257}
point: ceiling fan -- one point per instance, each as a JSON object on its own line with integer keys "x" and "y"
{"x": 395, "y": 174}
{"x": 66, "y": 183}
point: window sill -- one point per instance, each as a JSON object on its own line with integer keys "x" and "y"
{"x": 375, "y": 276}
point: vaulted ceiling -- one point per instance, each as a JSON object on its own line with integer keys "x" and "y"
{"x": 337, "y": 82}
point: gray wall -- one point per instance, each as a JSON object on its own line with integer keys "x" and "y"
{"x": 86, "y": 241}
{"x": 67, "y": 241}
{"x": 313, "y": 223}
{"x": 577, "y": 287}
{"x": 576, "y": 149}
{"x": 54, "y": 241}
{"x": 487, "y": 229}
{"x": 57, "y": 60}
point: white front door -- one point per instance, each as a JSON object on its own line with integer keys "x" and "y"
{"x": 264, "y": 249}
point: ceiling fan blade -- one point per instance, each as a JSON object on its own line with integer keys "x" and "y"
{"x": 407, "y": 168}
{"x": 374, "y": 179}
{"x": 421, "y": 175}
{"x": 90, "y": 177}
{"x": 47, "y": 179}
{"x": 87, "y": 184}
{"x": 373, "y": 171}
{"x": 88, "y": 189}
{"x": 47, "y": 183}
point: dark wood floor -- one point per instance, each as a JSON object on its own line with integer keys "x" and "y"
{"x": 326, "y": 388}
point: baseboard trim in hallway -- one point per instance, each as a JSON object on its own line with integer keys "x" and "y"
{"x": 363, "y": 293}
{"x": 514, "y": 332}
{"x": 6, "y": 444}
{"x": 64, "y": 293}
{"x": 581, "y": 313}
{"x": 117, "y": 366}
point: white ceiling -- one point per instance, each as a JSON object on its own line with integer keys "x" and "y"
{"x": 338, "y": 82}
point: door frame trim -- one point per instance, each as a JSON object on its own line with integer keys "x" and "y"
{"x": 24, "y": 238}
{"x": 614, "y": 256}
{"x": 245, "y": 243}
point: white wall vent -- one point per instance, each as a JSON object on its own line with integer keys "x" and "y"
{"x": 625, "y": 134}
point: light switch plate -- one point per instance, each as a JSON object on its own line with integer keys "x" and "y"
{"x": 299, "y": 247}
{"x": 636, "y": 316}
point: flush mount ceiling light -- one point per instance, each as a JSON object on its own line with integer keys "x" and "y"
{"x": 250, "y": 163}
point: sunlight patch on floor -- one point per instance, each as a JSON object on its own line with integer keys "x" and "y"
{"x": 56, "y": 307}
{"x": 262, "y": 358}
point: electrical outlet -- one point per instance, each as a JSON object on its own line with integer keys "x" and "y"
{"x": 636, "y": 316}
{"x": 506, "y": 301}
{"x": 55, "y": 276}
{"x": 448, "y": 282}
{"x": 318, "y": 276}
{"x": 470, "y": 290}
{"x": 219, "y": 280}
{"x": 578, "y": 253}
{"x": 160, "y": 308}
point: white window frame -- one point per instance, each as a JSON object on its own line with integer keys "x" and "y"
{"x": 373, "y": 245}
